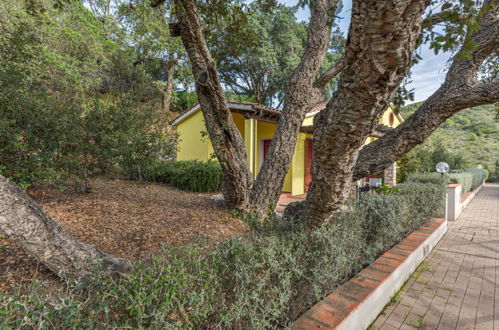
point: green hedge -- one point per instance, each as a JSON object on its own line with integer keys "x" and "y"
{"x": 470, "y": 178}
{"x": 190, "y": 175}
{"x": 479, "y": 175}
{"x": 432, "y": 178}
{"x": 265, "y": 279}
{"x": 464, "y": 179}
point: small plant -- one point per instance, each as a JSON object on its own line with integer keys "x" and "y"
{"x": 386, "y": 190}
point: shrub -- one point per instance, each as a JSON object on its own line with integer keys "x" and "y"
{"x": 430, "y": 178}
{"x": 73, "y": 102}
{"x": 190, "y": 175}
{"x": 265, "y": 279}
{"x": 479, "y": 175}
{"x": 464, "y": 179}
{"x": 470, "y": 178}
{"x": 424, "y": 200}
{"x": 423, "y": 158}
{"x": 494, "y": 175}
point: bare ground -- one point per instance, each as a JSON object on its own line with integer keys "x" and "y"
{"x": 129, "y": 219}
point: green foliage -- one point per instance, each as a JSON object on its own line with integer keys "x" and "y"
{"x": 455, "y": 134}
{"x": 494, "y": 174}
{"x": 265, "y": 279}
{"x": 190, "y": 175}
{"x": 479, "y": 175}
{"x": 470, "y": 178}
{"x": 423, "y": 158}
{"x": 72, "y": 103}
{"x": 387, "y": 190}
{"x": 430, "y": 178}
{"x": 425, "y": 192}
{"x": 464, "y": 179}
{"x": 183, "y": 100}
{"x": 459, "y": 20}
{"x": 260, "y": 66}
{"x": 425, "y": 200}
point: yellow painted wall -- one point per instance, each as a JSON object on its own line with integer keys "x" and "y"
{"x": 308, "y": 121}
{"x": 298, "y": 165}
{"x": 239, "y": 120}
{"x": 192, "y": 145}
{"x": 385, "y": 120}
{"x": 249, "y": 143}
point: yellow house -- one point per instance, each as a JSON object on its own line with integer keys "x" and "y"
{"x": 257, "y": 124}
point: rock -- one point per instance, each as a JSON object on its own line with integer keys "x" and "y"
{"x": 218, "y": 199}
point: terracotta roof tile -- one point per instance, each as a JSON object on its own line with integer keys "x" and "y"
{"x": 318, "y": 107}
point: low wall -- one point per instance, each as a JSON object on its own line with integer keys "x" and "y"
{"x": 457, "y": 201}
{"x": 357, "y": 303}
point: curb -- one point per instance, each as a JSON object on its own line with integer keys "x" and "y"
{"x": 468, "y": 197}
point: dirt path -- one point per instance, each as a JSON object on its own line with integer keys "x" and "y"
{"x": 126, "y": 218}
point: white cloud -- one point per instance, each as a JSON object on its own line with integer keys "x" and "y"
{"x": 428, "y": 74}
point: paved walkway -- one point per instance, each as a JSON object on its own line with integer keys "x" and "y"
{"x": 456, "y": 287}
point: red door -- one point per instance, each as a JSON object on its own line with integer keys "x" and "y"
{"x": 266, "y": 145}
{"x": 309, "y": 155}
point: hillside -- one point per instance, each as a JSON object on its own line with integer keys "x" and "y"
{"x": 474, "y": 132}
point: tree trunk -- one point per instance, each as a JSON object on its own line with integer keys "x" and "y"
{"x": 168, "y": 91}
{"x": 225, "y": 137}
{"x": 25, "y": 222}
{"x": 378, "y": 56}
{"x": 300, "y": 96}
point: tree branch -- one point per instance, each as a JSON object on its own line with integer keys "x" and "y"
{"x": 157, "y": 3}
{"x": 332, "y": 72}
{"x": 460, "y": 90}
{"x": 443, "y": 16}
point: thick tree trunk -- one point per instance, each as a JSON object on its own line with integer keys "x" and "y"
{"x": 300, "y": 96}
{"x": 382, "y": 38}
{"x": 460, "y": 90}
{"x": 225, "y": 137}
{"x": 22, "y": 220}
{"x": 168, "y": 91}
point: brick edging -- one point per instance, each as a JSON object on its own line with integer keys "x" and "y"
{"x": 468, "y": 197}
{"x": 357, "y": 303}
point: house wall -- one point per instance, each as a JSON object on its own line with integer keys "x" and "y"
{"x": 385, "y": 119}
{"x": 298, "y": 164}
{"x": 308, "y": 121}
{"x": 192, "y": 145}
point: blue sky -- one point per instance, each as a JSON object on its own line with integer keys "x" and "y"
{"x": 427, "y": 75}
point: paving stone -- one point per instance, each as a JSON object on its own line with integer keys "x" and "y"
{"x": 457, "y": 287}
{"x": 398, "y": 316}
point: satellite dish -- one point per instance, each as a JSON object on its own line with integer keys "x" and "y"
{"x": 442, "y": 167}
